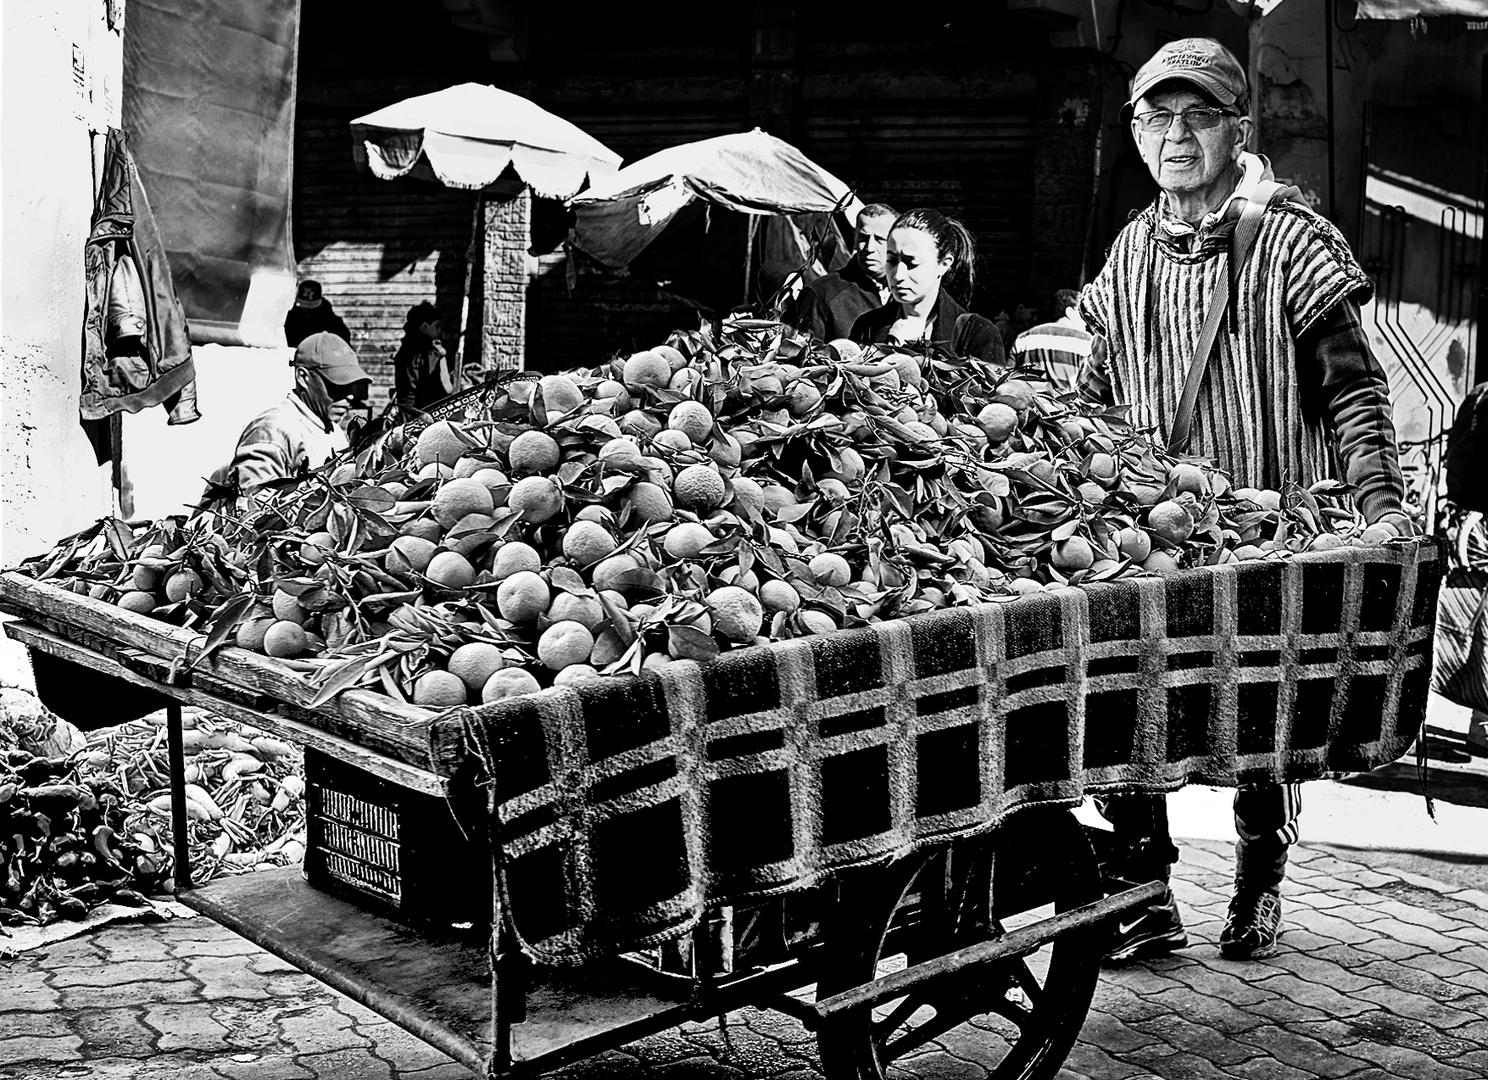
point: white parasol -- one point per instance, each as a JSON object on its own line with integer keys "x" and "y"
{"x": 467, "y": 136}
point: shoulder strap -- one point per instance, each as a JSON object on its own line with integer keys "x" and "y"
{"x": 1241, "y": 241}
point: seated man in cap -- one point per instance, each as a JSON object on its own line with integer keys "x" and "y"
{"x": 1227, "y": 317}
{"x": 299, "y": 433}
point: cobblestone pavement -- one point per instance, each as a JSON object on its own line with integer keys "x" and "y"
{"x": 1385, "y": 975}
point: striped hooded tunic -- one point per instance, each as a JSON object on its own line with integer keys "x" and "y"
{"x": 1260, "y": 414}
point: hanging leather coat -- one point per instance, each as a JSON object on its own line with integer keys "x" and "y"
{"x": 136, "y": 349}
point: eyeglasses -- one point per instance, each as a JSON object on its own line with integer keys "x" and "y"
{"x": 1197, "y": 119}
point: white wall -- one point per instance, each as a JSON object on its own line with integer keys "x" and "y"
{"x": 167, "y": 465}
{"x": 49, "y": 484}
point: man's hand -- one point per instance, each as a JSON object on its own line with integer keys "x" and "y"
{"x": 1389, "y": 528}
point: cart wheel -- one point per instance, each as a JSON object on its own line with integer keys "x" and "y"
{"x": 1029, "y": 1010}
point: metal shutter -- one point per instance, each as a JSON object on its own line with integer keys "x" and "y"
{"x": 969, "y": 157}
{"x": 377, "y": 247}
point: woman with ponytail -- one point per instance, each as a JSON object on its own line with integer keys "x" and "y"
{"x": 927, "y": 252}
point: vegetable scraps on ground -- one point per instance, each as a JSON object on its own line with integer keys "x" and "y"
{"x": 86, "y": 820}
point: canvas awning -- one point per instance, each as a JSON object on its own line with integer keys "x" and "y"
{"x": 1410, "y": 9}
{"x": 467, "y": 136}
{"x": 214, "y": 144}
{"x": 751, "y": 172}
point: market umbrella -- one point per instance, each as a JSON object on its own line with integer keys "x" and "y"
{"x": 467, "y": 136}
{"x": 752, "y": 172}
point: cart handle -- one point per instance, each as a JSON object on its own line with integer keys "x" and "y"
{"x": 1020, "y": 942}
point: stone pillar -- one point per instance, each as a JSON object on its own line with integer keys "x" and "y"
{"x": 1066, "y": 177}
{"x": 504, "y": 281}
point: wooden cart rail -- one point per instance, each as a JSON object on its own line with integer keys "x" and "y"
{"x": 142, "y": 669}
{"x": 1019, "y": 942}
{"x": 233, "y": 677}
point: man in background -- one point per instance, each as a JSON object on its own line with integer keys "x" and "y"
{"x": 312, "y": 314}
{"x": 1058, "y": 348}
{"x": 830, "y": 305}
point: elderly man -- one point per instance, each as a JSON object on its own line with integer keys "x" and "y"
{"x": 830, "y": 305}
{"x": 1227, "y": 316}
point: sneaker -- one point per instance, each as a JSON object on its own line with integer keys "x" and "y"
{"x": 1155, "y": 930}
{"x": 1252, "y": 927}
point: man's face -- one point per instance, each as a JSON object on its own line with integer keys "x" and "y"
{"x": 433, "y": 329}
{"x": 872, "y": 241}
{"x": 1182, "y": 160}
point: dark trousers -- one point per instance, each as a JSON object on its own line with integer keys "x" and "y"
{"x": 1141, "y": 847}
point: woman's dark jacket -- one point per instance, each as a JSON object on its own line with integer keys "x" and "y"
{"x": 950, "y": 326}
{"x": 418, "y": 378}
{"x": 300, "y": 323}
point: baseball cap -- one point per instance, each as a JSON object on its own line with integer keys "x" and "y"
{"x": 1203, "y": 62}
{"x": 308, "y": 294}
{"x": 329, "y": 355}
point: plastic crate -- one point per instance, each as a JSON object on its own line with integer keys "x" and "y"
{"x": 421, "y": 858}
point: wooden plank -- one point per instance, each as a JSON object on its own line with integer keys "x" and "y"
{"x": 24, "y": 596}
{"x": 175, "y": 732}
{"x": 1019, "y": 942}
{"x": 436, "y": 987}
{"x": 439, "y": 987}
{"x": 578, "y": 1011}
{"x": 419, "y": 744}
{"x": 361, "y": 716}
{"x": 385, "y": 768}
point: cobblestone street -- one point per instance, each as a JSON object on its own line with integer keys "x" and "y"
{"x": 1385, "y": 974}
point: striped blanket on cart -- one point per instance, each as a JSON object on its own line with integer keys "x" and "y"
{"x": 625, "y": 807}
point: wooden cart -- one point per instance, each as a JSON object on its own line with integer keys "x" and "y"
{"x": 994, "y": 911}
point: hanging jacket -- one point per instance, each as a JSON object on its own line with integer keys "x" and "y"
{"x": 136, "y": 350}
